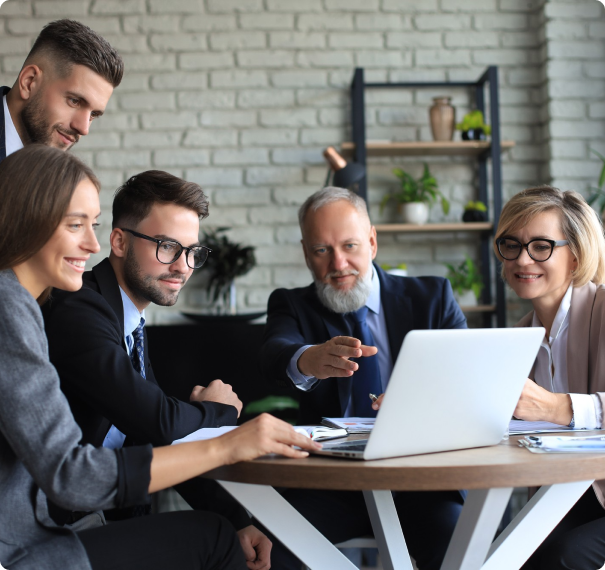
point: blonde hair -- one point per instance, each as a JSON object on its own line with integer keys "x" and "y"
{"x": 580, "y": 225}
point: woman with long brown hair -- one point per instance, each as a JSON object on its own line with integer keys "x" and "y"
{"x": 48, "y": 214}
{"x": 552, "y": 250}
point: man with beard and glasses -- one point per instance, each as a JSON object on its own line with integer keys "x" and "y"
{"x": 65, "y": 83}
{"x": 312, "y": 343}
{"x": 98, "y": 344}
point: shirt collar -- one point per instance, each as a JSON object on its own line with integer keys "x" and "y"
{"x": 12, "y": 140}
{"x": 559, "y": 317}
{"x": 132, "y": 316}
{"x": 373, "y": 301}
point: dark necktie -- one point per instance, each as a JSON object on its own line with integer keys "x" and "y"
{"x": 137, "y": 354}
{"x": 366, "y": 380}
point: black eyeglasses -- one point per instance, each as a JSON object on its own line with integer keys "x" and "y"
{"x": 168, "y": 251}
{"x": 539, "y": 249}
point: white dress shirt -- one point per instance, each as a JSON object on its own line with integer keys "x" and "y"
{"x": 378, "y": 328}
{"x": 11, "y": 136}
{"x": 551, "y": 368}
{"x": 132, "y": 317}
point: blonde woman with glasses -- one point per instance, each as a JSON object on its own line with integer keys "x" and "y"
{"x": 552, "y": 250}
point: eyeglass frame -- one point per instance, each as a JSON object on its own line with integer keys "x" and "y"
{"x": 553, "y": 243}
{"x": 159, "y": 242}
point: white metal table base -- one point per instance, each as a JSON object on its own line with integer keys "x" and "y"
{"x": 387, "y": 530}
{"x": 307, "y": 543}
{"x": 471, "y": 548}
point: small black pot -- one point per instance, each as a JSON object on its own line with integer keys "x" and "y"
{"x": 473, "y": 135}
{"x": 474, "y": 216}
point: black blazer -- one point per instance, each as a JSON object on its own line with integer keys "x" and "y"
{"x": 296, "y": 318}
{"x": 85, "y": 332}
{"x": 3, "y": 92}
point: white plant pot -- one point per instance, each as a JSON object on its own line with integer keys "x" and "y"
{"x": 415, "y": 213}
{"x": 467, "y": 299}
{"x": 398, "y": 272}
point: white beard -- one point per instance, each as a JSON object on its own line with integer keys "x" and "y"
{"x": 345, "y": 301}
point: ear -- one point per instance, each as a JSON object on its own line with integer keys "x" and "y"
{"x": 29, "y": 81}
{"x": 373, "y": 242}
{"x": 118, "y": 243}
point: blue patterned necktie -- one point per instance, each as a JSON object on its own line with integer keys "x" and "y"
{"x": 366, "y": 380}
{"x": 137, "y": 355}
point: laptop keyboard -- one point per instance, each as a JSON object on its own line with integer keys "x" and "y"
{"x": 357, "y": 445}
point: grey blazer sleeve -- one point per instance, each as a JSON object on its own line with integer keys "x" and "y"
{"x": 35, "y": 419}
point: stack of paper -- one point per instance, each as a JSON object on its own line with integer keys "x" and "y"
{"x": 518, "y": 427}
{"x": 321, "y": 433}
{"x": 558, "y": 444}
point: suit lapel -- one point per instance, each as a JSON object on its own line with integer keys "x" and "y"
{"x": 109, "y": 289}
{"x": 398, "y": 311}
{"x": 578, "y": 337}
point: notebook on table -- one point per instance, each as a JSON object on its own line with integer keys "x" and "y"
{"x": 449, "y": 389}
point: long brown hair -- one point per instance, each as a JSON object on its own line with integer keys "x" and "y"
{"x": 36, "y": 186}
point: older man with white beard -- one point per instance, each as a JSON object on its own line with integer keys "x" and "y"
{"x": 336, "y": 341}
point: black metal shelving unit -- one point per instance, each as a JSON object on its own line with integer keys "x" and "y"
{"x": 489, "y": 264}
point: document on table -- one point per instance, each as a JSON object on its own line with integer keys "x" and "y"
{"x": 558, "y": 444}
{"x": 352, "y": 425}
{"x": 204, "y": 433}
{"x": 518, "y": 427}
{"x": 321, "y": 433}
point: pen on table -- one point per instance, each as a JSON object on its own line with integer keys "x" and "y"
{"x": 373, "y": 397}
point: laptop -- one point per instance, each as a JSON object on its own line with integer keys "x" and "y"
{"x": 449, "y": 389}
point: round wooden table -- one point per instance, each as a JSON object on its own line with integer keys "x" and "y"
{"x": 489, "y": 473}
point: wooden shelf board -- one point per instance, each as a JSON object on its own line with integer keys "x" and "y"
{"x": 446, "y": 227}
{"x": 425, "y": 148}
{"x": 479, "y": 309}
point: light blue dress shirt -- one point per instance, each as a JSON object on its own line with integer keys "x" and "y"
{"x": 377, "y": 324}
{"x": 115, "y": 438}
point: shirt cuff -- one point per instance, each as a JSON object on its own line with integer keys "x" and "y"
{"x": 301, "y": 381}
{"x": 585, "y": 411}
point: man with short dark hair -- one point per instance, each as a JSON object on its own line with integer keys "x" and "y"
{"x": 64, "y": 84}
{"x": 336, "y": 342}
{"x": 98, "y": 344}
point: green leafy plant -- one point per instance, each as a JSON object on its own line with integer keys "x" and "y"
{"x": 423, "y": 189}
{"x": 473, "y": 120}
{"x": 475, "y": 206}
{"x": 465, "y": 277}
{"x": 597, "y": 198}
{"x": 386, "y": 266}
{"x": 227, "y": 261}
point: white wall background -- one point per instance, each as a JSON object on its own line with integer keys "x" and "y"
{"x": 243, "y": 95}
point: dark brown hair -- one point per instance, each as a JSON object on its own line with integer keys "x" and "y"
{"x": 133, "y": 200}
{"x": 36, "y": 186}
{"x": 67, "y": 43}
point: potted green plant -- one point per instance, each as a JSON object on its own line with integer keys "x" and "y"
{"x": 475, "y": 211}
{"x": 466, "y": 281}
{"x": 473, "y": 128}
{"x": 227, "y": 261}
{"x": 415, "y": 196}
{"x": 597, "y": 197}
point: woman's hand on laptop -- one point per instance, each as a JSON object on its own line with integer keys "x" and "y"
{"x": 538, "y": 404}
{"x": 331, "y": 359}
{"x": 377, "y": 402}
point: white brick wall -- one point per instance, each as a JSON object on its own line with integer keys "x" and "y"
{"x": 242, "y": 96}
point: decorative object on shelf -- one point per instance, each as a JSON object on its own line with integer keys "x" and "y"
{"x": 227, "y": 261}
{"x": 401, "y": 269}
{"x": 415, "y": 196}
{"x": 597, "y": 197}
{"x": 466, "y": 281}
{"x": 443, "y": 119}
{"x": 346, "y": 175}
{"x": 473, "y": 128}
{"x": 475, "y": 211}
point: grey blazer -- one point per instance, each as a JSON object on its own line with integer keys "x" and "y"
{"x": 39, "y": 452}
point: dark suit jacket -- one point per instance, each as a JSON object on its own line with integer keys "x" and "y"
{"x": 85, "y": 332}
{"x": 297, "y": 318}
{"x": 3, "y": 92}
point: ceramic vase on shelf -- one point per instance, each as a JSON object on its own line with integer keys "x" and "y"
{"x": 466, "y": 299}
{"x": 414, "y": 213}
{"x": 443, "y": 119}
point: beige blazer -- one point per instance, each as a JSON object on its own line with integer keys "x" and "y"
{"x": 585, "y": 349}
